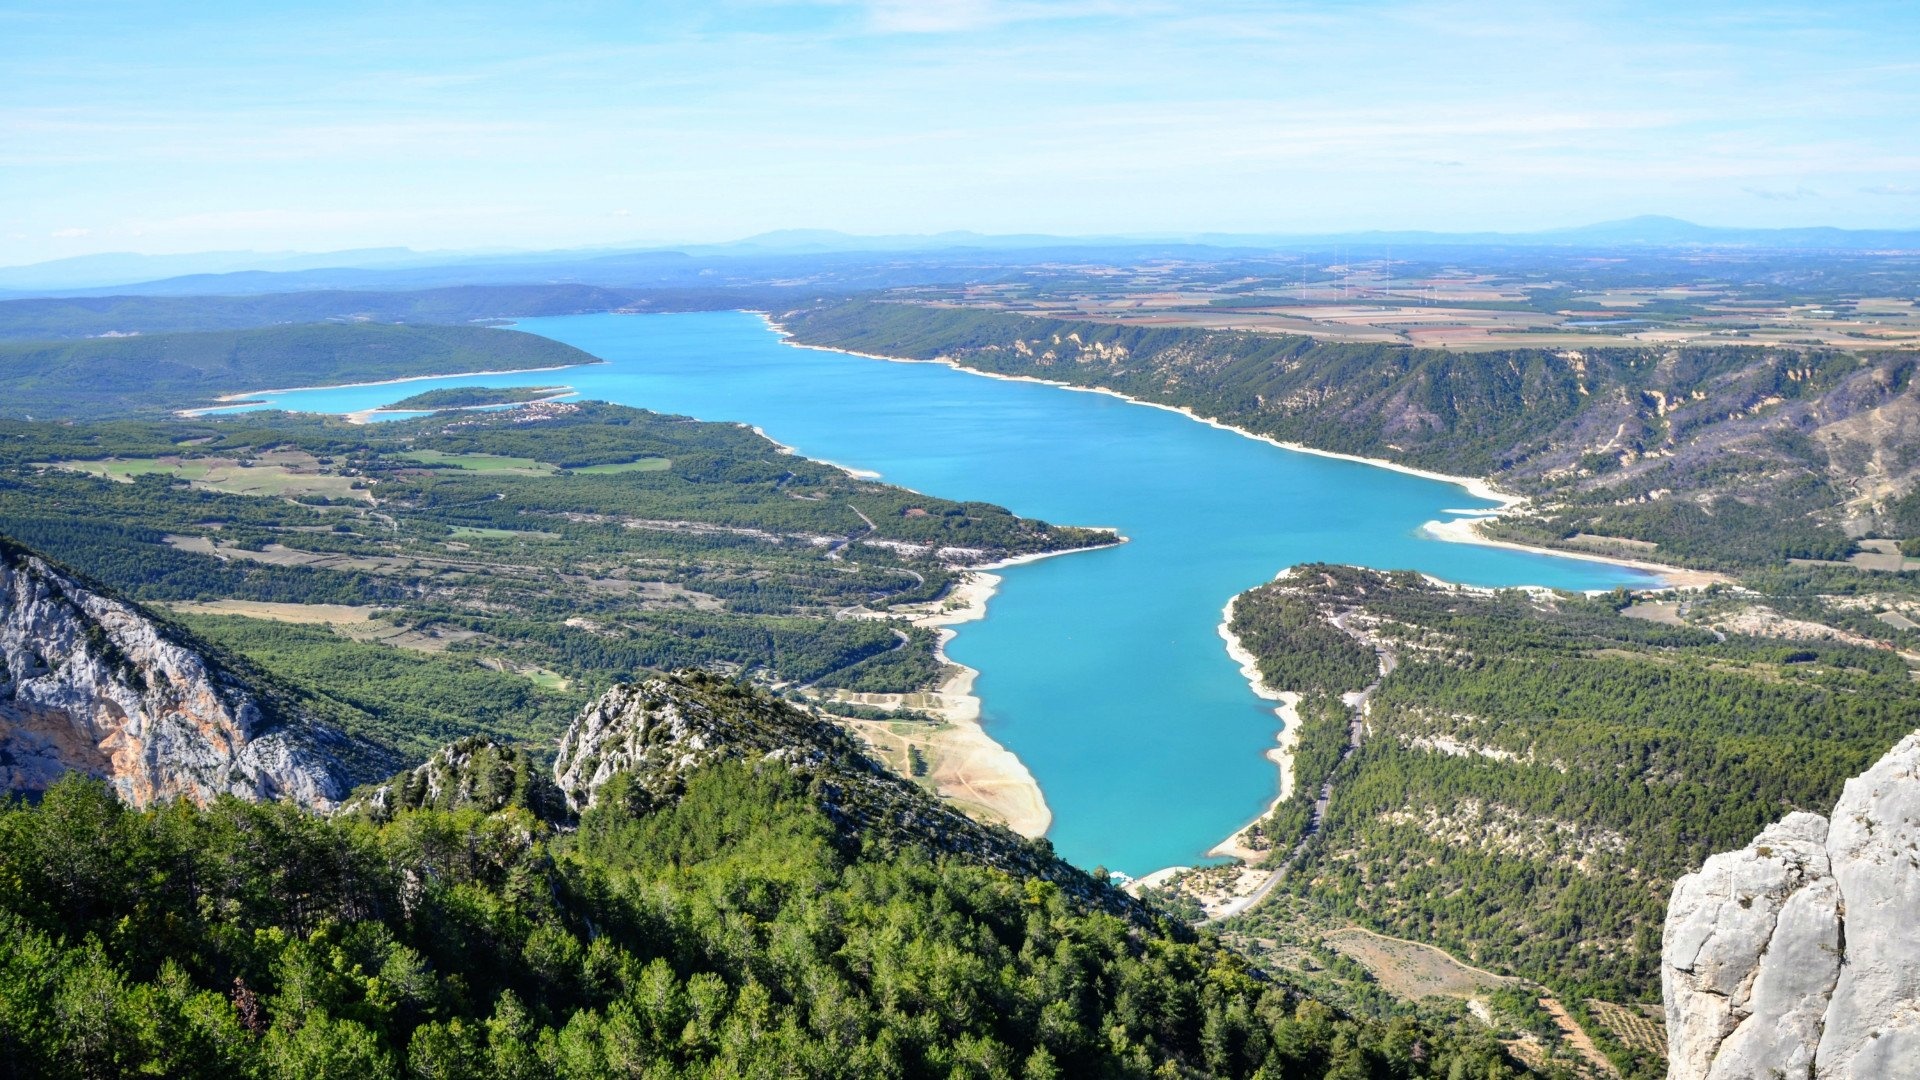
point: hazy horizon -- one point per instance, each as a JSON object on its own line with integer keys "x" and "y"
{"x": 132, "y": 128}
{"x": 796, "y": 233}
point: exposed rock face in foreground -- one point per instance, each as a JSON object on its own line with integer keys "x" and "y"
{"x": 92, "y": 684}
{"x": 1799, "y": 955}
{"x": 660, "y": 731}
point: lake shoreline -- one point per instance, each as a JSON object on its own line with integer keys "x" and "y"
{"x": 1478, "y": 487}
{"x": 1460, "y": 531}
{"x": 1225, "y": 891}
{"x": 972, "y": 767}
{"x": 1467, "y": 531}
{"x": 366, "y": 416}
{"x": 1150, "y": 844}
{"x": 857, "y": 474}
{"x": 239, "y": 398}
{"x": 1286, "y": 740}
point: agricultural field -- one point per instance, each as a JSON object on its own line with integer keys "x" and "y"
{"x": 656, "y": 464}
{"x": 284, "y": 473}
{"x": 1376, "y": 296}
{"x": 546, "y": 554}
{"x": 486, "y": 463}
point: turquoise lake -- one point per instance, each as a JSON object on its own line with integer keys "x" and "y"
{"x": 1104, "y": 670}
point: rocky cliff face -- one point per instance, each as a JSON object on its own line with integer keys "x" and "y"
{"x": 92, "y": 684}
{"x": 659, "y": 732}
{"x": 1799, "y": 955}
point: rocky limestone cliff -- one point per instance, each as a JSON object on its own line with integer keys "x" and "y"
{"x": 660, "y": 731}
{"x": 474, "y": 773}
{"x": 92, "y": 684}
{"x": 1799, "y": 955}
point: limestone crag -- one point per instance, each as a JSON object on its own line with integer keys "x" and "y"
{"x": 1799, "y": 955}
{"x": 92, "y": 684}
{"x": 474, "y": 773}
{"x": 659, "y": 732}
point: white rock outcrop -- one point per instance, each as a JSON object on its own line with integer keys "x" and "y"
{"x": 1799, "y": 955}
{"x": 92, "y": 684}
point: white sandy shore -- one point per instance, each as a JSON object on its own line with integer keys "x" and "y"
{"x": 1454, "y": 531}
{"x": 1462, "y": 530}
{"x": 1287, "y": 739}
{"x": 365, "y": 416}
{"x": 857, "y": 474}
{"x": 1467, "y": 531}
{"x": 1476, "y": 486}
{"x": 1156, "y": 879}
{"x": 968, "y": 765}
{"x": 245, "y": 397}
{"x": 1222, "y": 892}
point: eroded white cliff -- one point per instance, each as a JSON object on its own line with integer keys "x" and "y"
{"x": 1799, "y": 955}
{"x": 91, "y": 684}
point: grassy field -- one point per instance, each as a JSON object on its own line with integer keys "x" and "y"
{"x": 651, "y": 464}
{"x": 297, "y": 475}
{"x": 127, "y": 470}
{"x": 482, "y": 462}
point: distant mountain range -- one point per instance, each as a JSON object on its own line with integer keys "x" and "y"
{"x": 754, "y": 257}
{"x": 1649, "y": 230}
{"x": 119, "y": 268}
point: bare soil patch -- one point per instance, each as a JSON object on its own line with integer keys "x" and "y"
{"x": 331, "y": 614}
{"x": 1411, "y": 970}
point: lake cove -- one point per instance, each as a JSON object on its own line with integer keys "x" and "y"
{"x": 1103, "y": 670}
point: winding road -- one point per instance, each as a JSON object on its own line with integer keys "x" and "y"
{"x": 1359, "y": 703}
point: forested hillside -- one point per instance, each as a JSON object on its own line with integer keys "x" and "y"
{"x": 483, "y": 571}
{"x": 736, "y": 928}
{"x": 149, "y": 374}
{"x": 1727, "y": 457}
{"x": 1535, "y": 771}
{"x": 94, "y": 316}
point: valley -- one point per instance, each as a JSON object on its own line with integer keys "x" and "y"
{"x": 510, "y": 543}
{"x": 986, "y": 540}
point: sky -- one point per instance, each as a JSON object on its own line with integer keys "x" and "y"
{"x": 180, "y": 127}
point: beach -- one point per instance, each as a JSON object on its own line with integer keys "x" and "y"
{"x": 246, "y": 397}
{"x": 367, "y": 416}
{"x": 1286, "y": 740}
{"x": 1467, "y": 531}
{"x": 965, "y": 764}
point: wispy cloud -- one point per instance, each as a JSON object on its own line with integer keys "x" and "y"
{"x": 1776, "y": 195}
{"x": 968, "y": 16}
{"x": 529, "y": 127}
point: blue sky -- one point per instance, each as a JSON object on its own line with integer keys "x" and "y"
{"x": 275, "y": 126}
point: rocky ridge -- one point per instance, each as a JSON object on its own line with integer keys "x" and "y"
{"x": 474, "y": 773}
{"x": 660, "y": 731}
{"x": 1639, "y": 443}
{"x": 93, "y": 684}
{"x": 1795, "y": 956}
